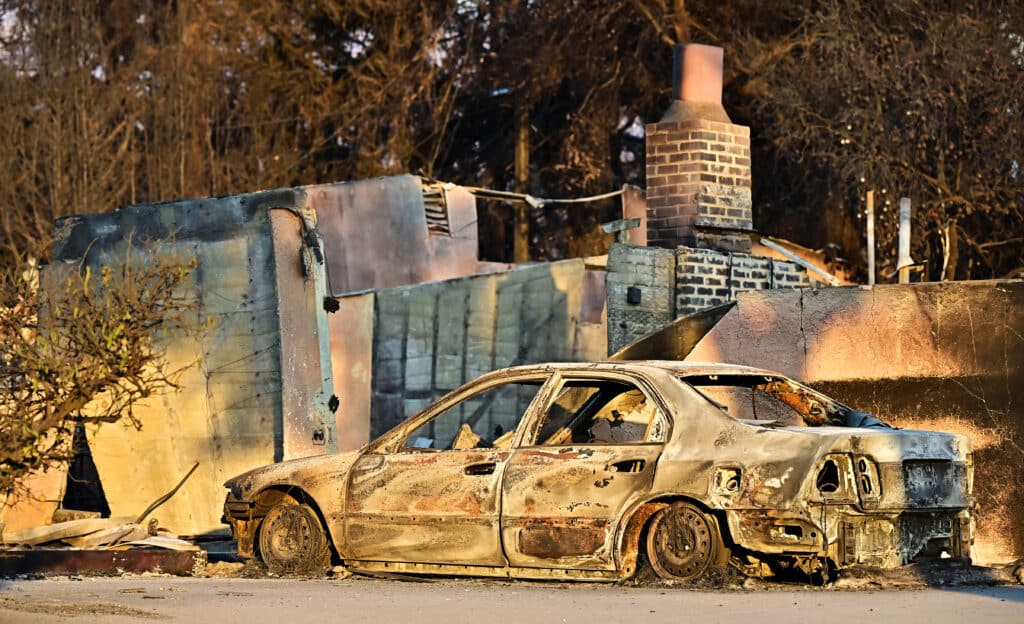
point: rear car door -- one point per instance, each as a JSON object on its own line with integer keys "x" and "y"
{"x": 591, "y": 453}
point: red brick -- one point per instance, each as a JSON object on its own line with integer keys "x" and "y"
{"x": 693, "y": 146}
{"x": 679, "y": 222}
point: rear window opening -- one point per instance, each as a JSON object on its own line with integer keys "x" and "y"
{"x": 769, "y": 401}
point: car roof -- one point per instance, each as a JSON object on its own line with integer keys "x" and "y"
{"x": 681, "y": 369}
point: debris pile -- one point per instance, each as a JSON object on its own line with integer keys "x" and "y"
{"x": 82, "y": 542}
{"x": 121, "y": 533}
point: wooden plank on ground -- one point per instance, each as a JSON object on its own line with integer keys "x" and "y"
{"x": 62, "y": 530}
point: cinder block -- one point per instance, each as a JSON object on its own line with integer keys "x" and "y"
{"x": 418, "y": 373}
{"x": 411, "y": 406}
{"x": 387, "y": 375}
{"x": 448, "y": 375}
{"x": 388, "y": 411}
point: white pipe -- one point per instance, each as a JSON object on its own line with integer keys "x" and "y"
{"x": 871, "y": 237}
{"x": 904, "y": 241}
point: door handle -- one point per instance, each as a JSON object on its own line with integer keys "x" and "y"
{"x": 628, "y": 465}
{"x": 481, "y": 469}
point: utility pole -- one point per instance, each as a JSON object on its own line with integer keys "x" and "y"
{"x": 521, "y": 225}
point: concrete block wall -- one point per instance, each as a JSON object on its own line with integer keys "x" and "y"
{"x": 429, "y": 339}
{"x": 651, "y": 270}
{"x": 682, "y": 281}
{"x": 707, "y": 277}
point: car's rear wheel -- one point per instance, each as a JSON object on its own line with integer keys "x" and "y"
{"x": 293, "y": 541}
{"x": 684, "y": 543}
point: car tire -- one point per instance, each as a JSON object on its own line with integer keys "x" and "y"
{"x": 292, "y": 541}
{"x": 684, "y": 543}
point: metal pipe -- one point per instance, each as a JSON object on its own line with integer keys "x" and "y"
{"x": 871, "y": 237}
{"x": 904, "y": 261}
{"x": 827, "y": 277}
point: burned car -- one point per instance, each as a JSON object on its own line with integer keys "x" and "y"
{"x": 586, "y": 470}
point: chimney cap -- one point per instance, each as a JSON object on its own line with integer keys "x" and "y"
{"x": 697, "y": 83}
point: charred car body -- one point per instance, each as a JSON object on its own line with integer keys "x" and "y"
{"x": 577, "y": 471}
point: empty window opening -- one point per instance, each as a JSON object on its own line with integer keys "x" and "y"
{"x": 601, "y": 412}
{"x": 487, "y": 419}
{"x": 770, "y": 401}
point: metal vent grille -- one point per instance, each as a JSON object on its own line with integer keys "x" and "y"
{"x": 435, "y": 204}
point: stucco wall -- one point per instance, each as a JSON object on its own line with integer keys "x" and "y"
{"x": 229, "y": 412}
{"x": 375, "y": 234}
{"x": 256, "y": 384}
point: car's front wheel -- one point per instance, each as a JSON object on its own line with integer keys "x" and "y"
{"x": 293, "y": 541}
{"x": 685, "y": 543}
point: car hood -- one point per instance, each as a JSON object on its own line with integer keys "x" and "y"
{"x": 304, "y": 472}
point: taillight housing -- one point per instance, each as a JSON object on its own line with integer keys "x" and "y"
{"x": 869, "y": 486}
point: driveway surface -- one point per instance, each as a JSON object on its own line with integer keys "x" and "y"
{"x": 358, "y": 599}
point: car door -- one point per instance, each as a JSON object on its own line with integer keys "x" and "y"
{"x": 590, "y": 454}
{"x": 435, "y": 497}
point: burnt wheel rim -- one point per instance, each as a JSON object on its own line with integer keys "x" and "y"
{"x": 290, "y": 538}
{"x": 683, "y": 543}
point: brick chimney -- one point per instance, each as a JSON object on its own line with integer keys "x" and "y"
{"x": 698, "y": 162}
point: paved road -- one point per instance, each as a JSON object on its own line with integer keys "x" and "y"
{"x": 451, "y": 602}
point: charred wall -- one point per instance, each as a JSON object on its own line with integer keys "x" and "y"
{"x": 946, "y": 356}
{"x": 984, "y": 409}
{"x": 397, "y": 350}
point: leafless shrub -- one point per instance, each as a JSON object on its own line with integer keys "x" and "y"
{"x": 87, "y": 343}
